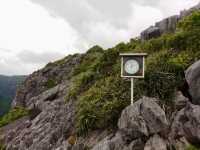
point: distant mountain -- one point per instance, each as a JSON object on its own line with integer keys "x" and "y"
{"x": 8, "y": 85}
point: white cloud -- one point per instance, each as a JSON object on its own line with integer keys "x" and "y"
{"x": 141, "y": 17}
{"x": 24, "y": 25}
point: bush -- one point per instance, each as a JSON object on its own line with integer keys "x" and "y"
{"x": 101, "y": 105}
{"x": 2, "y": 147}
{"x": 153, "y": 45}
{"x": 192, "y": 147}
{"x": 12, "y": 115}
{"x": 89, "y": 60}
{"x": 191, "y": 22}
{"x": 51, "y": 83}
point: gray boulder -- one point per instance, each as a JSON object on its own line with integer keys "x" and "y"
{"x": 151, "y": 32}
{"x": 135, "y": 145}
{"x": 168, "y": 24}
{"x": 180, "y": 100}
{"x": 156, "y": 143}
{"x": 111, "y": 143}
{"x": 193, "y": 79}
{"x": 187, "y": 124}
{"x": 144, "y": 118}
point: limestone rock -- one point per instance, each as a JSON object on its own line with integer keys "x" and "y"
{"x": 151, "y": 32}
{"x": 187, "y": 124}
{"x": 44, "y": 79}
{"x": 135, "y": 145}
{"x": 155, "y": 143}
{"x": 145, "y": 117}
{"x": 167, "y": 25}
{"x": 110, "y": 143}
{"x": 180, "y": 101}
{"x": 193, "y": 79}
{"x": 47, "y": 130}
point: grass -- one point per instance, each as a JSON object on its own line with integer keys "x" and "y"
{"x": 2, "y": 147}
{"x": 12, "y": 115}
{"x": 51, "y": 83}
{"x": 192, "y": 147}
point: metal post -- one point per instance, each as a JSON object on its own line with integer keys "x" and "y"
{"x": 132, "y": 79}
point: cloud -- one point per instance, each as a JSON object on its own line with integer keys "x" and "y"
{"x": 109, "y": 22}
{"x": 32, "y": 57}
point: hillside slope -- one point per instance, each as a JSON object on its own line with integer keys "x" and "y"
{"x": 76, "y": 102}
{"x": 8, "y": 86}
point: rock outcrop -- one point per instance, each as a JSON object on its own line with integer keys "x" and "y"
{"x": 144, "y": 118}
{"x": 42, "y": 80}
{"x": 47, "y": 130}
{"x": 193, "y": 79}
{"x": 167, "y": 25}
{"x": 138, "y": 123}
{"x": 156, "y": 143}
{"x": 53, "y": 122}
{"x": 187, "y": 124}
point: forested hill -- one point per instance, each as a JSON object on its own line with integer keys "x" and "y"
{"x": 8, "y": 85}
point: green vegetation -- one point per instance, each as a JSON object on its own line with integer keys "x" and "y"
{"x": 51, "y": 83}
{"x": 101, "y": 93}
{"x": 101, "y": 105}
{"x": 13, "y": 115}
{"x": 2, "y": 147}
{"x": 192, "y": 147}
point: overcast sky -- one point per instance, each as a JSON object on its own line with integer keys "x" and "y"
{"x": 35, "y": 32}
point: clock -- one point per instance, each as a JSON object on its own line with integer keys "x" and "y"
{"x": 131, "y": 66}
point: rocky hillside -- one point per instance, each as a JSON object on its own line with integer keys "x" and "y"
{"x": 8, "y": 86}
{"x": 82, "y": 103}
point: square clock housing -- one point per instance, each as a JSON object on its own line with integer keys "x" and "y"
{"x": 132, "y": 65}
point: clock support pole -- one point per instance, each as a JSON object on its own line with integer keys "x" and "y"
{"x": 132, "y": 87}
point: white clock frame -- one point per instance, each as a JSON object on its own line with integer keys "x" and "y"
{"x": 143, "y": 55}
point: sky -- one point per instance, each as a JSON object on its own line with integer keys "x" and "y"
{"x": 35, "y": 32}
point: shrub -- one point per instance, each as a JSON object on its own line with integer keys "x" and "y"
{"x": 2, "y": 147}
{"x": 50, "y": 83}
{"x": 101, "y": 105}
{"x": 89, "y": 60}
{"x": 163, "y": 75}
{"x": 80, "y": 83}
{"x": 153, "y": 45}
{"x": 12, "y": 115}
{"x": 191, "y": 22}
{"x": 192, "y": 147}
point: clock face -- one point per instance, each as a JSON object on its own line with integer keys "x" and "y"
{"x": 131, "y": 66}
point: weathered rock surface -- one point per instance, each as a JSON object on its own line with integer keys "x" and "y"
{"x": 193, "y": 79}
{"x": 151, "y": 32}
{"x": 167, "y": 25}
{"x": 144, "y": 118}
{"x": 137, "y": 122}
{"x": 187, "y": 124}
{"x": 156, "y": 143}
{"x": 111, "y": 143}
{"x": 49, "y": 127}
{"x": 39, "y": 81}
{"x": 48, "y": 130}
{"x": 180, "y": 100}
